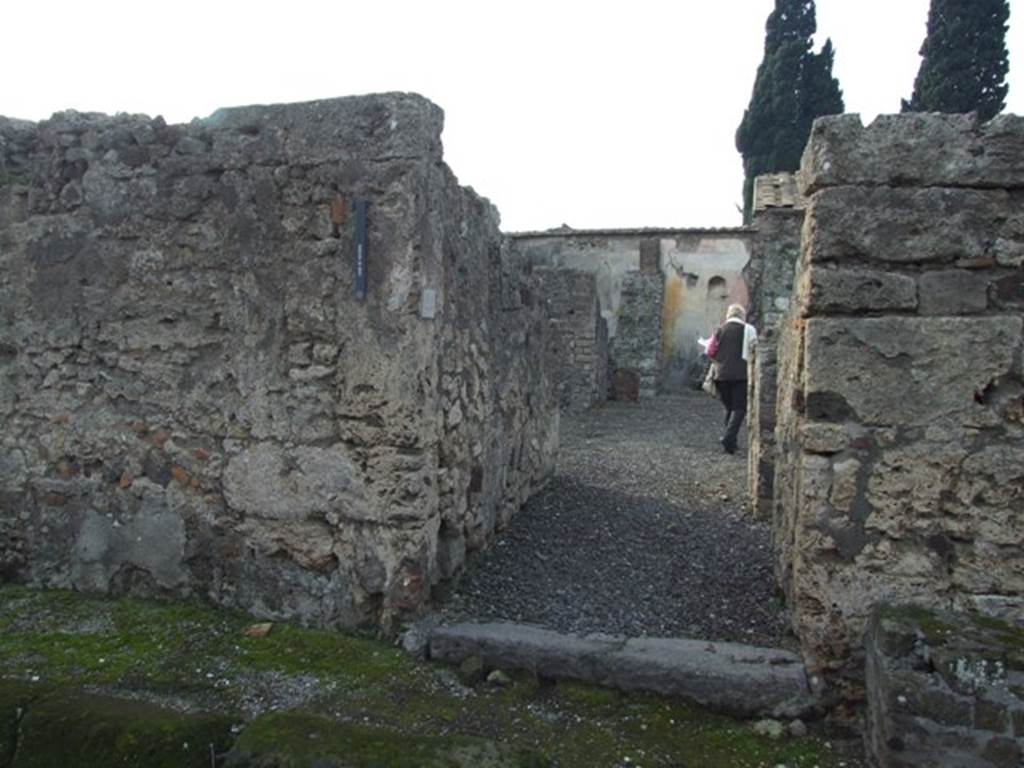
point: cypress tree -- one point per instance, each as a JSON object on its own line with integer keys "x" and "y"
{"x": 793, "y": 86}
{"x": 822, "y": 94}
{"x": 964, "y": 59}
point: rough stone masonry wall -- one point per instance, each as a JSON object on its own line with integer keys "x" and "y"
{"x": 944, "y": 689}
{"x": 769, "y": 278}
{"x": 635, "y": 351}
{"x": 192, "y": 401}
{"x": 901, "y": 421}
{"x": 580, "y": 336}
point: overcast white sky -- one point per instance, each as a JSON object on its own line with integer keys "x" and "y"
{"x": 595, "y": 114}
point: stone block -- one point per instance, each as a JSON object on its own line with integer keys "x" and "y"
{"x": 990, "y": 715}
{"x": 381, "y": 128}
{"x": 1003, "y": 753}
{"x": 64, "y": 726}
{"x": 907, "y": 485}
{"x": 1008, "y": 291}
{"x": 821, "y": 437}
{"x": 953, "y": 292}
{"x": 906, "y": 370}
{"x": 940, "y": 705}
{"x": 914, "y": 149}
{"x": 914, "y": 716}
{"x": 910, "y": 225}
{"x": 825, "y": 291}
{"x": 738, "y": 679}
{"x": 845, "y": 491}
{"x": 269, "y": 481}
{"x": 1006, "y": 608}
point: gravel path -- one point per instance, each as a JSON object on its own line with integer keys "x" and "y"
{"x": 642, "y": 532}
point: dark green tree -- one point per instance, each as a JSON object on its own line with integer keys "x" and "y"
{"x": 793, "y": 86}
{"x": 964, "y": 59}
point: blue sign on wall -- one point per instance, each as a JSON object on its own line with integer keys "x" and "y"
{"x": 360, "y": 206}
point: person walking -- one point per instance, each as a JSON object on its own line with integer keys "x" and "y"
{"x": 733, "y": 344}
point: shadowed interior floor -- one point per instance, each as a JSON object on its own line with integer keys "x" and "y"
{"x": 643, "y": 531}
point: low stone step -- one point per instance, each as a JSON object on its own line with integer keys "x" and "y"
{"x": 740, "y": 680}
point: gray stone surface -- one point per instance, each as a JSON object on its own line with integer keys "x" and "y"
{"x": 580, "y": 336}
{"x": 769, "y": 277}
{"x": 912, "y": 225}
{"x": 900, "y": 420}
{"x": 738, "y": 679}
{"x": 192, "y": 399}
{"x": 915, "y": 149}
{"x": 637, "y": 346}
{"x": 854, "y": 291}
{"x": 943, "y": 689}
{"x": 921, "y": 370}
{"x": 954, "y": 292}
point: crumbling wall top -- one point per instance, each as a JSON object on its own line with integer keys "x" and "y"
{"x": 399, "y": 126}
{"x": 374, "y": 128}
{"x": 915, "y": 149}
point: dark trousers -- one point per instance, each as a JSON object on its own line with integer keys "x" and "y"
{"x": 734, "y": 397}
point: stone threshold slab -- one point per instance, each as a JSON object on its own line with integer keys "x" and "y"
{"x": 740, "y": 680}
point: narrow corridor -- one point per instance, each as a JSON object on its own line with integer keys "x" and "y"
{"x": 643, "y": 531}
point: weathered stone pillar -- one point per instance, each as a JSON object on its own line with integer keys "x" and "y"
{"x": 778, "y": 219}
{"x": 636, "y": 348}
{"x": 900, "y": 414}
{"x": 580, "y": 336}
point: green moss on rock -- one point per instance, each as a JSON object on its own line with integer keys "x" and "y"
{"x": 14, "y": 700}
{"x": 936, "y": 630}
{"x": 189, "y": 652}
{"x": 301, "y": 740}
{"x": 72, "y": 728}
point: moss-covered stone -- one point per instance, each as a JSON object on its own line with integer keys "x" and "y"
{"x": 915, "y": 618}
{"x": 15, "y": 697}
{"x": 302, "y": 740}
{"x": 72, "y": 728}
{"x": 953, "y": 685}
{"x": 187, "y": 652}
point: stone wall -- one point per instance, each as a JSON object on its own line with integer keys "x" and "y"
{"x": 580, "y": 336}
{"x": 701, "y": 271}
{"x": 778, "y": 220}
{"x": 901, "y": 421}
{"x": 636, "y": 350}
{"x": 944, "y": 689}
{"x": 192, "y": 398}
